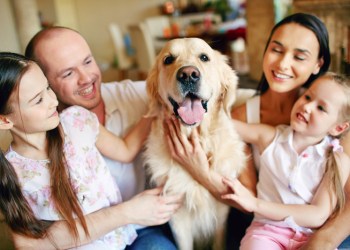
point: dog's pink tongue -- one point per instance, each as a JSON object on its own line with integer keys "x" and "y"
{"x": 191, "y": 111}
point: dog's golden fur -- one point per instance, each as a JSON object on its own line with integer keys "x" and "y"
{"x": 214, "y": 83}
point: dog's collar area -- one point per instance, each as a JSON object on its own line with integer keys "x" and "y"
{"x": 191, "y": 110}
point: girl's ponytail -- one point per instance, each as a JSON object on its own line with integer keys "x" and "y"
{"x": 332, "y": 165}
{"x": 333, "y": 176}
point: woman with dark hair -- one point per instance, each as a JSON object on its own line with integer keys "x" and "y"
{"x": 314, "y": 24}
{"x": 297, "y": 52}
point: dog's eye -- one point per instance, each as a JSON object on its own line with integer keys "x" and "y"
{"x": 169, "y": 60}
{"x": 204, "y": 58}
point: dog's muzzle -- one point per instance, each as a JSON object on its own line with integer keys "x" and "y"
{"x": 192, "y": 108}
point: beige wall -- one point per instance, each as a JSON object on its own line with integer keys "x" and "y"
{"x": 260, "y": 21}
{"x": 90, "y": 17}
{"x": 66, "y": 13}
{"x": 27, "y": 20}
{"x": 94, "y": 16}
{"x": 47, "y": 10}
{"x": 9, "y": 38}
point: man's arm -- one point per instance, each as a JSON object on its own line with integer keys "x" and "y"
{"x": 334, "y": 231}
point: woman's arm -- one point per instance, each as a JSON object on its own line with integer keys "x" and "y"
{"x": 249, "y": 175}
{"x": 190, "y": 155}
{"x": 125, "y": 149}
{"x": 148, "y": 208}
{"x": 309, "y": 215}
{"x": 334, "y": 231}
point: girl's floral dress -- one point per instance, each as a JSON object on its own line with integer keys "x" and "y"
{"x": 88, "y": 173}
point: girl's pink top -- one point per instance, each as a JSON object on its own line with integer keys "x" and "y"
{"x": 88, "y": 174}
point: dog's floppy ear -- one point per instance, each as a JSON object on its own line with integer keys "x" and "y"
{"x": 229, "y": 82}
{"x": 152, "y": 91}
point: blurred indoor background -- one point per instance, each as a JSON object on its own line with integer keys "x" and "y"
{"x": 125, "y": 36}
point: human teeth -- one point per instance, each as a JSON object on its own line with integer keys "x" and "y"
{"x": 282, "y": 76}
{"x": 86, "y": 91}
{"x": 300, "y": 117}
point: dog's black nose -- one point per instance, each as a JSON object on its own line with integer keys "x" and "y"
{"x": 188, "y": 75}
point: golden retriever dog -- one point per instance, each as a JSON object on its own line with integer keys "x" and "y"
{"x": 195, "y": 83}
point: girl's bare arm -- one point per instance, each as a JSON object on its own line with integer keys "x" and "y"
{"x": 124, "y": 149}
{"x": 311, "y": 215}
{"x": 148, "y": 208}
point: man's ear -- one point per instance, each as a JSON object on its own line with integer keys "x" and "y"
{"x": 339, "y": 128}
{"x": 5, "y": 123}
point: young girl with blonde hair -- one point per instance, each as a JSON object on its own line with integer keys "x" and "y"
{"x": 302, "y": 168}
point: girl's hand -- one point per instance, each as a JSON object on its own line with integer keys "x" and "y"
{"x": 188, "y": 152}
{"x": 150, "y": 208}
{"x": 147, "y": 208}
{"x": 240, "y": 195}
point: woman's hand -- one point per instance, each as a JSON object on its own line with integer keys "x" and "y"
{"x": 151, "y": 208}
{"x": 188, "y": 152}
{"x": 240, "y": 194}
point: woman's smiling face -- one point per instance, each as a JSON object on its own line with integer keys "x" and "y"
{"x": 291, "y": 57}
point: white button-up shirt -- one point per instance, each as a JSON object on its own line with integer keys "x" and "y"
{"x": 286, "y": 177}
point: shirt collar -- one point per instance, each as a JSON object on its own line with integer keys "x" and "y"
{"x": 107, "y": 96}
{"x": 320, "y": 148}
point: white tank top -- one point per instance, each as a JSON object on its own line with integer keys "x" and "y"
{"x": 253, "y": 116}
